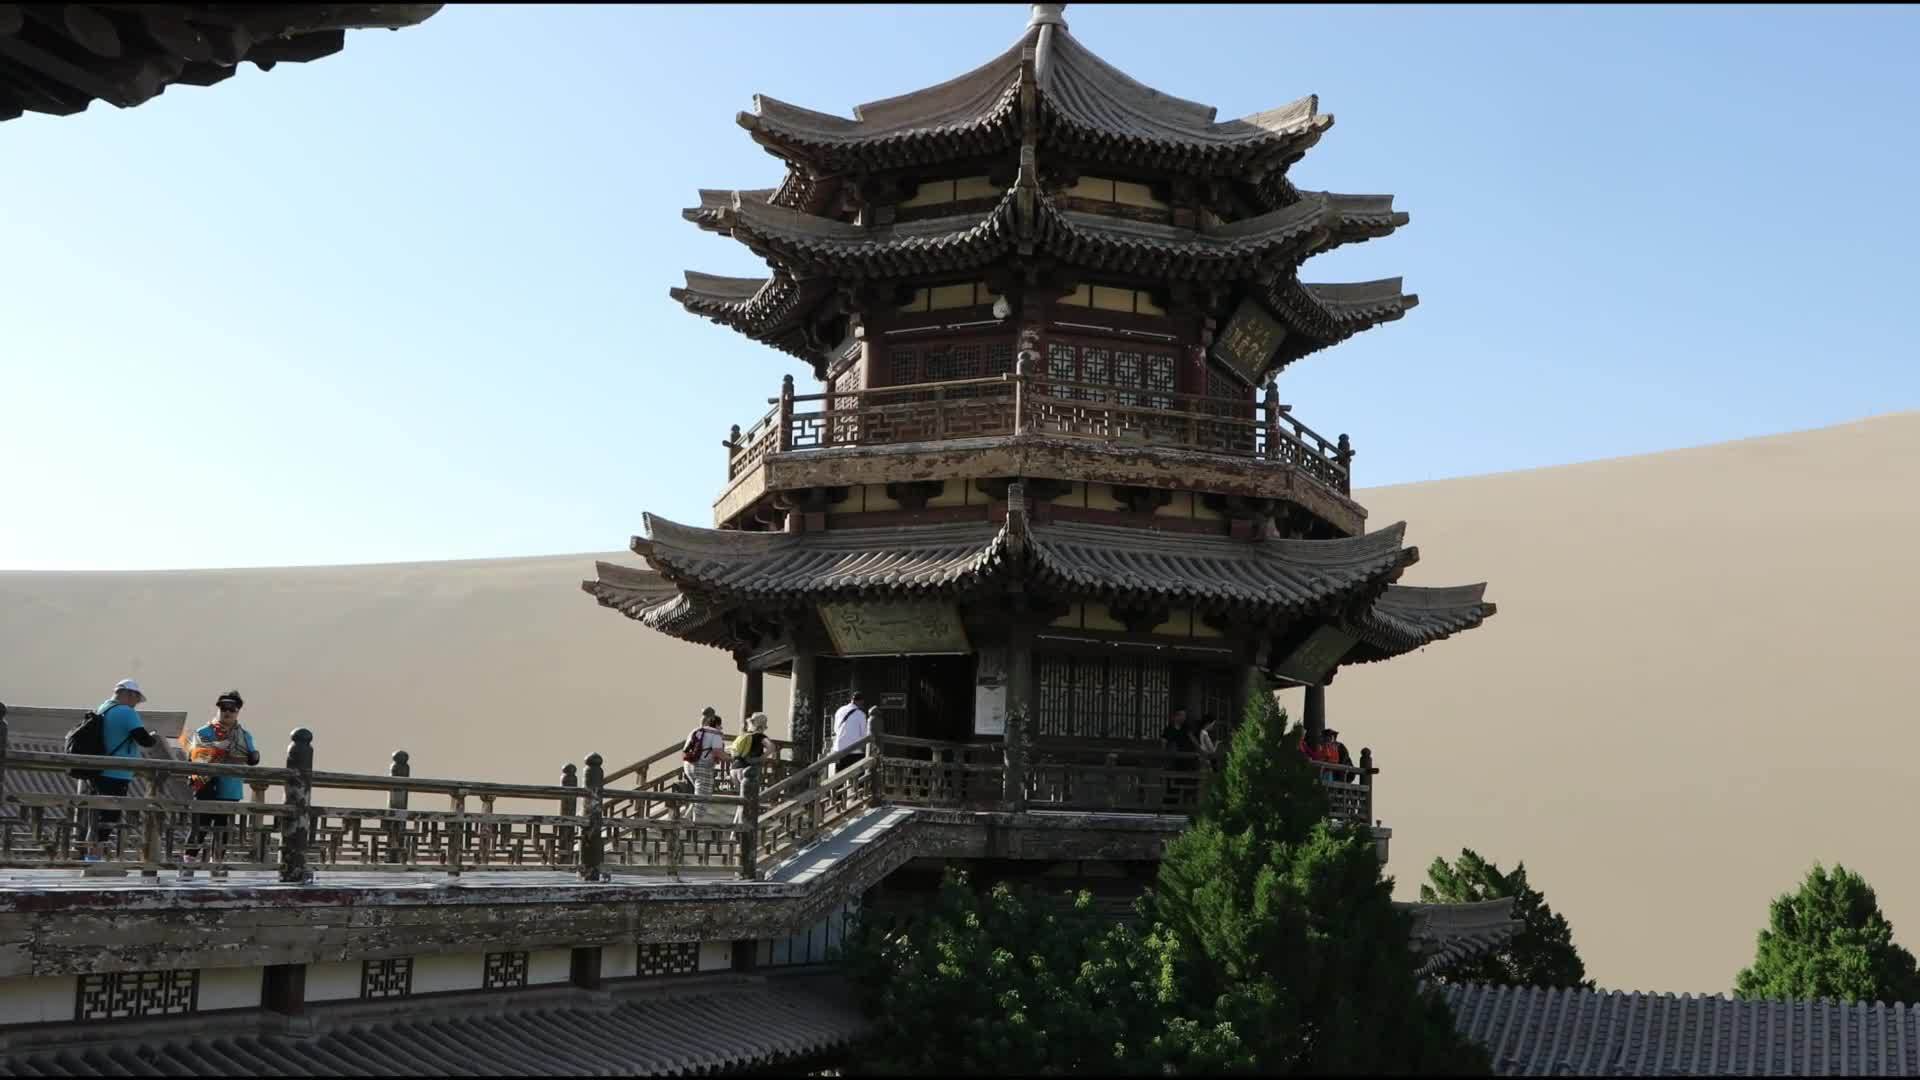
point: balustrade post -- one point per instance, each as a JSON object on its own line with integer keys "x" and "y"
{"x": 296, "y": 822}
{"x": 1366, "y": 783}
{"x": 786, "y": 413}
{"x": 1270, "y": 403}
{"x": 3, "y": 748}
{"x": 593, "y": 842}
{"x": 1022, "y": 366}
{"x": 1344, "y": 455}
{"x": 733, "y": 440}
{"x": 750, "y": 819}
{"x": 457, "y": 834}
{"x": 150, "y": 821}
{"x": 255, "y": 823}
{"x": 397, "y": 800}
{"x": 569, "y": 778}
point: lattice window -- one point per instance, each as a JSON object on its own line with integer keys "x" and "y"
{"x": 1127, "y": 370}
{"x": 1217, "y": 694}
{"x": 505, "y": 971}
{"x": 121, "y": 995}
{"x": 1102, "y": 697}
{"x": 999, "y": 359}
{"x": 846, "y": 409}
{"x": 903, "y": 367}
{"x": 390, "y": 978}
{"x": 1056, "y": 694}
{"x": 658, "y": 958}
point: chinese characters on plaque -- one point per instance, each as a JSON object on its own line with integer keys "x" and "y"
{"x": 1317, "y": 656}
{"x": 1249, "y": 339}
{"x": 894, "y": 629}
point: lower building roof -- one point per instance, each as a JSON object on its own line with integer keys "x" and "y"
{"x": 1530, "y": 1031}
{"x": 705, "y": 1025}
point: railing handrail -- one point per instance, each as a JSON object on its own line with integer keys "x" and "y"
{"x": 672, "y": 749}
{"x": 767, "y": 793}
{"x": 48, "y": 761}
{"x": 901, "y": 388}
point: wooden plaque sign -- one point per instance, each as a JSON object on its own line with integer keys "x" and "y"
{"x": 1317, "y": 656}
{"x": 1248, "y": 341}
{"x": 894, "y": 629}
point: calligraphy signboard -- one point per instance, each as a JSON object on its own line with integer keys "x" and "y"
{"x": 894, "y": 629}
{"x": 1317, "y": 656}
{"x": 1248, "y": 341}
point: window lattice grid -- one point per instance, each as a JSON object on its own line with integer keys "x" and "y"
{"x": 659, "y": 958}
{"x": 123, "y": 995}
{"x": 504, "y": 971}
{"x": 389, "y": 978}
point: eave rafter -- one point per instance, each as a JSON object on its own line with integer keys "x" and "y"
{"x": 60, "y": 58}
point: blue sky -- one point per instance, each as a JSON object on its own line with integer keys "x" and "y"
{"x": 409, "y": 301}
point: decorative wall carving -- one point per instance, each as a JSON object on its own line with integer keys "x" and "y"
{"x": 505, "y": 971}
{"x": 659, "y": 958}
{"x": 121, "y": 995}
{"x": 389, "y": 978}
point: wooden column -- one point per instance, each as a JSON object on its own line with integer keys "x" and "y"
{"x": 803, "y": 724}
{"x": 752, "y": 694}
{"x": 1020, "y": 712}
{"x": 283, "y": 989}
{"x": 1315, "y": 717}
{"x": 1253, "y": 682}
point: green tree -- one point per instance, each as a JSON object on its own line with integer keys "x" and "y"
{"x": 1829, "y": 940}
{"x": 1289, "y": 927}
{"x": 1273, "y": 947}
{"x": 1007, "y": 982}
{"x": 1540, "y": 954}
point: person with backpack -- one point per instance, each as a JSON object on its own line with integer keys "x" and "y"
{"x": 749, "y": 751}
{"x": 114, "y": 729}
{"x": 705, "y": 751}
{"x": 221, "y": 740}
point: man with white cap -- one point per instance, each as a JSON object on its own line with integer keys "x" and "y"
{"x": 122, "y": 732}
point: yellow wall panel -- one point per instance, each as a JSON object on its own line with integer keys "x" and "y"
{"x": 1107, "y": 298}
{"x": 1136, "y": 195}
{"x": 974, "y": 187}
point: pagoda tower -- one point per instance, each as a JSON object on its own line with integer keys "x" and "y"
{"x": 1040, "y": 490}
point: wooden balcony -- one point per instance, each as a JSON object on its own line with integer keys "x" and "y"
{"x": 1256, "y": 445}
{"x": 585, "y": 825}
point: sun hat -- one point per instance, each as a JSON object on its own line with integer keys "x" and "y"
{"x": 129, "y": 686}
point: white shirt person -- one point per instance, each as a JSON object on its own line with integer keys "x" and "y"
{"x": 849, "y": 727}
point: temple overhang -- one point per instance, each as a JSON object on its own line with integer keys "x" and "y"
{"x": 58, "y": 59}
{"x": 700, "y": 584}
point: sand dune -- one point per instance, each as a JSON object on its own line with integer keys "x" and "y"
{"x": 1701, "y": 679}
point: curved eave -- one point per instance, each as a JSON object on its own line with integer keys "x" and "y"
{"x": 58, "y": 59}
{"x": 1085, "y": 106}
{"x": 780, "y": 569}
{"x": 1408, "y": 617}
{"x": 1270, "y": 578}
{"x": 1317, "y": 316}
{"x": 656, "y": 603}
{"x": 763, "y": 309}
{"x": 807, "y": 245}
{"x": 1445, "y": 934}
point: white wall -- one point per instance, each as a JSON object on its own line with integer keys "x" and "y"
{"x": 37, "y": 999}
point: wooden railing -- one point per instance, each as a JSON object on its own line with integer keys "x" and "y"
{"x": 585, "y": 824}
{"x": 1260, "y": 429}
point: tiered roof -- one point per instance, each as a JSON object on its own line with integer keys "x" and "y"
{"x": 1045, "y": 100}
{"x": 58, "y": 59}
{"x": 697, "y": 578}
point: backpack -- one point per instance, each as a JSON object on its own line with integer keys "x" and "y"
{"x": 696, "y": 746}
{"x": 89, "y": 736}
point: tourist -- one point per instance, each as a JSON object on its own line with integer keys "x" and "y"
{"x": 1205, "y": 739}
{"x": 705, "y": 751}
{"x": 849, "y": 727}
{"x": 1336, "y": 751}
{"x": 122, "y": 733}
{"x": 220, "y": 741}
{"x": 1177, "y": 737}
{"x": 748, "y": 750}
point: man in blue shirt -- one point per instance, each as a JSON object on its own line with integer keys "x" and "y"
{"x": 124, "y": 733}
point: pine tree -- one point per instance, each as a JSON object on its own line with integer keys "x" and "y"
{"x": 1540, "y": 954}
{"x": 1290, "y": 931}
{"x": 1829, "y": 940}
